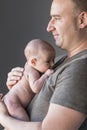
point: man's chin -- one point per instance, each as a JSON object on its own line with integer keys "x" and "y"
{"x": 58, "y": 44}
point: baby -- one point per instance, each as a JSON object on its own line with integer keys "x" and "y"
{"x": 40, "y": 57}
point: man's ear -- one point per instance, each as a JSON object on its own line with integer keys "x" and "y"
{"x": 33, "y": 61}
{"x": 82, "y": 20}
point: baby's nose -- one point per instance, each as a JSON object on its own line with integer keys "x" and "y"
{"x": 52, "y": 63}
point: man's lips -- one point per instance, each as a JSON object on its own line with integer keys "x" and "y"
{"x": 55, "y": 36}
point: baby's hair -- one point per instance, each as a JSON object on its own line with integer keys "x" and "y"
{"x": 37, "y": 45}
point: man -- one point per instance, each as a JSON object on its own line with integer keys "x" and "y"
{"x": 62, "y": 103}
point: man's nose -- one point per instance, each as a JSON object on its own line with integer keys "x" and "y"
{"x": 50, "y": 26}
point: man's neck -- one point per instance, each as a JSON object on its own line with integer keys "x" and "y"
{"x": 81, "y": 47}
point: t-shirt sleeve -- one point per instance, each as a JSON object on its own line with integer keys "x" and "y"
{"x": 71, "y": 87}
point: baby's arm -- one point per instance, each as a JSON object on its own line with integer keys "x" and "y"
{"x": 38, "y": 84}
{"x": 36, "y": 81}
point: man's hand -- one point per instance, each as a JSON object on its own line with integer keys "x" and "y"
{"x": 14, "y": 76}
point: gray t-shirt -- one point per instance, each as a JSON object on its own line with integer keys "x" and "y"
{"x": 67, "y": 87}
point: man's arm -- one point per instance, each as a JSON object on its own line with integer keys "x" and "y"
{"x": 62, "y": 118}
{"x": 57, "y": 118}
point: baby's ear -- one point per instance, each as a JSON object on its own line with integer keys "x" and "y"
{"x": 83, "y": 20}
{"x": 34, "y": 61}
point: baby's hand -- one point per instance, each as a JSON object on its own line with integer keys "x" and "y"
{"x": 49, "y": 72}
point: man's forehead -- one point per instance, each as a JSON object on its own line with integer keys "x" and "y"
{"x": 58, "y": 6}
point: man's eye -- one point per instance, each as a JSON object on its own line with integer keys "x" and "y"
{"x": 57, "y": 18}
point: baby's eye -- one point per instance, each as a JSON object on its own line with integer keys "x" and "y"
{"x": 48, "y": 61}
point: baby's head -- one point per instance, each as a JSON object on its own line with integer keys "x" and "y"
{"x": 40, "y": 54}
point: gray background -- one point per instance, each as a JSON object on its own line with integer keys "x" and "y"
{"x": 21, "y": 21}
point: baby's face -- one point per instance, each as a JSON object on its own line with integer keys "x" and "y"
{"x": 45, "y": 62}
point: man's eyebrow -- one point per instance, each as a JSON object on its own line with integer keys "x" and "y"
{"x": 55, "y": 15}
